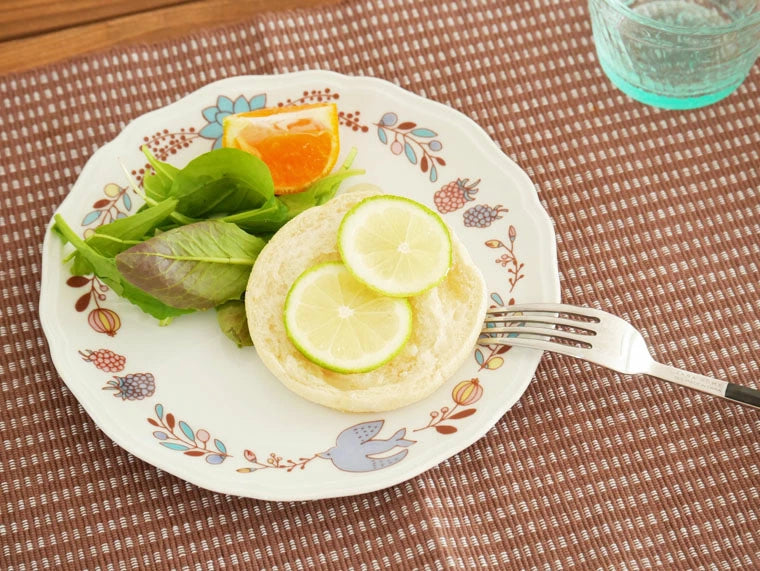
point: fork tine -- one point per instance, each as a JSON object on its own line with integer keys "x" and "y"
{"x": 545, "y": 319}
{"x": 619, "y": 346}
{"x": 546, "y": 332}
{"x": 586, "y": 312}
{"x": 539, "y": 344}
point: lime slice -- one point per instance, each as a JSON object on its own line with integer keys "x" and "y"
{"x": 340, "y": 324}
{"x": 394, "y": 245}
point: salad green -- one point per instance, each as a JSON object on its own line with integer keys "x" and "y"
{"x": 233, "y": 322}
{"x": 197, "y": 266}
{"x": 192, "y": 245}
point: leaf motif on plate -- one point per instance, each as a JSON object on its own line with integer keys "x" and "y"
{"x": 91, "y": 217}
{"x": 186, "y": 430}
{"x": 416, "y": 143}
{"x": 82, "y": 302}
{"x": 410, "y": 154}
{"x": 445, "y": 429}
{"x": 422, "y": 132}
{"x": 177, "y": 435}
{"x": 77, "y": 281}
{"x": 174, "y": 445}
{"x": 463, "y": 413}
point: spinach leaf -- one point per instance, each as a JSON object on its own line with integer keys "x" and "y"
{"x": 268, "y": 217}
{"x": 197, "y": 266}
{"x": 222, "y": 181}
{"x": 233, "y": 322}
{"x": 105, "y": 268}
{"x": 322, "y": 190}
{"x": 318, "y": 193}
{"x": 158, "y": 183}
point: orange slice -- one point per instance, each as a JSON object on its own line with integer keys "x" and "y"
{"x": 299, "y": 144}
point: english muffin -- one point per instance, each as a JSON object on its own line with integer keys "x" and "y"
{"x": 446, "y": 319}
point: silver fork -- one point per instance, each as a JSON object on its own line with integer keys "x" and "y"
{"x": 598, "y": 337}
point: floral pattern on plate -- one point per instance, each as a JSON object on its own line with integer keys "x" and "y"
{"x": 418, "y": 145}
{"x": 356, "y": 450}
{"x": 464, "y": 394}
{"x": 179, "y": 437}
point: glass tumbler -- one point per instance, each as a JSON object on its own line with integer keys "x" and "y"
{"x": 676, "y": 54}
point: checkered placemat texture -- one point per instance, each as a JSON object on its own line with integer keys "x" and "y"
{"x": 657, "y": 216}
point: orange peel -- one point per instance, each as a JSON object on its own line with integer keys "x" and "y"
{"x": 299, "y": 143}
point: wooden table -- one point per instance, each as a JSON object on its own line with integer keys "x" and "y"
{"x": 40, "y": 32}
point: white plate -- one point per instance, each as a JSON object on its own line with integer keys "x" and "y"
{"x": 216, "y": 417}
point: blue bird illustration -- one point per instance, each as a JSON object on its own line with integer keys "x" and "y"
{"x": 355, "y": 447}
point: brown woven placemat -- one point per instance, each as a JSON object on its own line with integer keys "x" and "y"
{"x": 657, "y": 217}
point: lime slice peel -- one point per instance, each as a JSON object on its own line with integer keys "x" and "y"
{"x": 394, "y": 245}
{"x": 340, "y": 324}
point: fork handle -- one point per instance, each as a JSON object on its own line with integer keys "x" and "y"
{"x": 733, "y": 392}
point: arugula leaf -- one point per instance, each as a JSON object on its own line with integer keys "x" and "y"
{"x": 222, "y": 181}
{"x": 123, "y": 233}
{"x": 101, "y": 265}
{"x": 197, "y": 266}
{"x": 105, "y": 268}
{"x": 79, "y": 266}
{"x": 233, "y": 322}
{"x": 158, "y": 184}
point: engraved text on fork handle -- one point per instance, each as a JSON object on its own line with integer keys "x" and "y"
{"x": 716, "y": 387}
